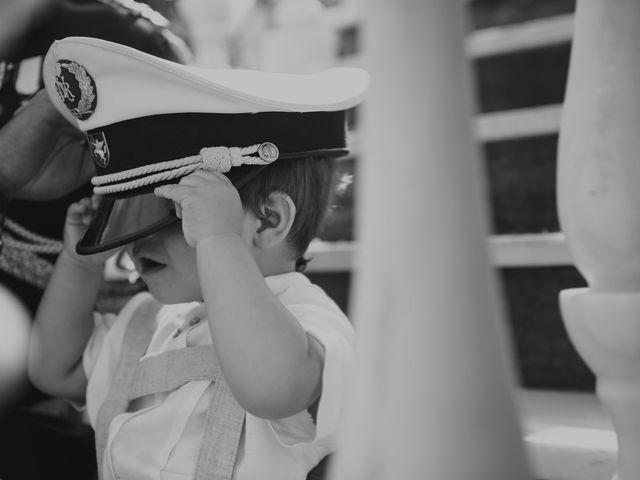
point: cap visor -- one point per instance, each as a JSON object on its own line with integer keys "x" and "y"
{"x": 119, "y": 221}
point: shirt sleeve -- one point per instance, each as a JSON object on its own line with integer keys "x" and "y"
{"x": 102, "y": 323}
{"x": 334, "y": 332}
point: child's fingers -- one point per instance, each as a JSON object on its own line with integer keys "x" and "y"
{"x": 80, "y": 205}
{"x": 198, "y": 176}
{"x": 174, "y": 192}
{"x": 75, "y": 213}
{"x": 87, "y": 217}
{"x": 80, "y": 212}
{"x": 95, "y": 201}
{"x": 178, "y": 192}
{"x": 74, "y": 209}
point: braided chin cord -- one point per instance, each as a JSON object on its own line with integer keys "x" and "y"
{"x": 21, "y": 254}
{"x": 31, "y": 242}
{"x": 211, "y": 159}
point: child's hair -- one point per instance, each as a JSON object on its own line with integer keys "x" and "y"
{"x": 308, "y": 181}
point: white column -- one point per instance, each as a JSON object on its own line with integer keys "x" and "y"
{"x": 599, "y": 207}
{"x": 432, "y": 397}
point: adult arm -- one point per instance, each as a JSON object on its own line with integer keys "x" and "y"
{"x": 42, "y": 156}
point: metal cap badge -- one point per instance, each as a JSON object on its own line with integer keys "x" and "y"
{"x": 99, "y": 148}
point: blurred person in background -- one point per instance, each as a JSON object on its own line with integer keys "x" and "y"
{"x": 45, "y": 166}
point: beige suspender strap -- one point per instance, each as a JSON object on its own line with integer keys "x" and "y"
{"x": 223, "y": 427}
{"x": 224, "y": 418}
{"x": 167, "y": 371}
{"x": 170, "y": 370}
{"x": 135, "y": 342}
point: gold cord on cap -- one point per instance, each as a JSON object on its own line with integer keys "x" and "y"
{"x": 213, "y": 159}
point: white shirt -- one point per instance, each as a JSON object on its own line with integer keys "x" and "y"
{"x": 161, "y": 438}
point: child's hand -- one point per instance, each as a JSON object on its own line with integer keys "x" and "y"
{"x": 207, "y": 203}
{"x": 79, "y": 216}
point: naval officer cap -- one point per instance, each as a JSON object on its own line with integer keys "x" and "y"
{"x": 150, "y": 121}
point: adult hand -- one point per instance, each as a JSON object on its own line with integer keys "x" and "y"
{"x": 42, "y": 156}
{"x": 15, "y": 19}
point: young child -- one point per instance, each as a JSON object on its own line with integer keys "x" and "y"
{"x": 233, "y": 365}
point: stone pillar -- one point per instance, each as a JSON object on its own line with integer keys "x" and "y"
{"x": 599, "y": 208}
{"x": 432, "y": 396}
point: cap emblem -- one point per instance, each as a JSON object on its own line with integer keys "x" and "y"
{"x": 76, "y": 88}
{"x": 99, "y": 148}
{"x": 268, "y": 152}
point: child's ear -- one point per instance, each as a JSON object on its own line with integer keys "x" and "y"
{"x": 276, "y": 218}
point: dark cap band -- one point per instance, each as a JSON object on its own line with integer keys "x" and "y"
{"x": 148, "y": 140}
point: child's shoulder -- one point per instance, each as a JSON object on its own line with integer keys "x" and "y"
{"x": 308, "y": 302}
{"x": 295, "y": 287}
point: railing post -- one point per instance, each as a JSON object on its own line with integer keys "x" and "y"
{"x": 432, "y": 396}
{"x": 599, "y": 207}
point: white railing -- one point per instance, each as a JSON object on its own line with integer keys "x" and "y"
{"x": 513, "y": 250}
{"x": 529, "y": 250}
{"x": 540, "y": 33}
{"x": 520, "y": 123}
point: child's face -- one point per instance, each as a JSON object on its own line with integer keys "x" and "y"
{"x": 167, "y": 264}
